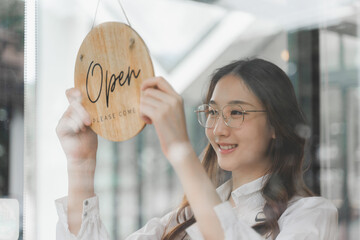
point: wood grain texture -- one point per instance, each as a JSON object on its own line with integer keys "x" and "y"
{"x": 111, "y": 65}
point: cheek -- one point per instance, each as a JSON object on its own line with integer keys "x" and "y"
{"x": 256, "y": 134}
{"x": 258, "y": 126}
{"x": 258, "y": 137}
{"x": 209, "y": 134}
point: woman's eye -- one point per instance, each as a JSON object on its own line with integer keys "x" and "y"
{"x": 212, "y": 112}
{"x": 235, "y": 112}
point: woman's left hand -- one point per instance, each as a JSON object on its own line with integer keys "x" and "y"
{"x": 162, "y": 106}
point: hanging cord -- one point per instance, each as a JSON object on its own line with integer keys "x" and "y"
{"x": 124, "y": 12}
{"x": 97, "y": 6}
{"x": 122, "y": 8}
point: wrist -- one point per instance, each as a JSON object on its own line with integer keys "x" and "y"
{"x": 81, "y": 176}
{"x": 181, "y": 152}
{"x": 81, "y": 187}
{"x": 81, "y": 166}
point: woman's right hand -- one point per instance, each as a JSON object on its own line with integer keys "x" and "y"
{"x": 77, "y": 139}
{"x": 79, "y": 143}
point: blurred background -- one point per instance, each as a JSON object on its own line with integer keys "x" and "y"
{"x": 316, "y": 42}
{"x": 12, "y": 104}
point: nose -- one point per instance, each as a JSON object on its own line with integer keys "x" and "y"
{"x": 220, "y": 128}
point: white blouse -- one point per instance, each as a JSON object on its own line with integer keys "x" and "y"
{"x": 309, "y": 218}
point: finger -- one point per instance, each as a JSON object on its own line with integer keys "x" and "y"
{"x": 146, "y": 113}
{"x": 74, "y": 125}
{"x": 157, "y": 94}
{"x": 73, "y": 94}
{"x": 153, "y": 102}
{"x": 74, "y": 97}
{"x": 67, "y": 125}
{"x": 146, "y": 119}
{"x": 82, "y": 113}
{"x": 76, "y": 118}
{"x": 158, "y": 82}
{"x": 154, "y": 109}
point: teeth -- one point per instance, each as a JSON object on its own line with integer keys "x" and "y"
{"x": 227, "y": 147}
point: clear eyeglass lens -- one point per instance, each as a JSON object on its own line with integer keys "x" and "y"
{"x": 233, "y": 115}
{"x": 206, "y": 115}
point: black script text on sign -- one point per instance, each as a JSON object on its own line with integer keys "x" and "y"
{"x": 111, "y": 85}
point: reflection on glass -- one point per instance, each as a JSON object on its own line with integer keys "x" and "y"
{"x": 340, "y": 122}
{"x": 11, "y": 104}
{"x": 133, "y": 180}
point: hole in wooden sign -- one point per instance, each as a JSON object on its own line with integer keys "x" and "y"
{"x": 132, "y": 42}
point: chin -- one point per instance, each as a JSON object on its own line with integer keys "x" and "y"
{"x": 226, "y": 165}
{"x": 231, "y": 164}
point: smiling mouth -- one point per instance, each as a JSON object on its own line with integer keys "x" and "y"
{"x": 227, "y": 147}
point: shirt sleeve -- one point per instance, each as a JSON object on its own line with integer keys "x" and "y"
{"x": 91, "y": 228}
{"x": 154, "y": 228}
{"x": 312, "y": 218}
{"x": 309, "y": 218}
{"x": 233, "y": 227}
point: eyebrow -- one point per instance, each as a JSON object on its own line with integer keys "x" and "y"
{"x": 233, "y": 102}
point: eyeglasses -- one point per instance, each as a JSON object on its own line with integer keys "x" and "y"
{"x": 233, "y": 115}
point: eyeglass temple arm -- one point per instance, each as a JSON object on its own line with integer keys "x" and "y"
{"x": 254, "y": 110}
{"x": 244, "y": 111}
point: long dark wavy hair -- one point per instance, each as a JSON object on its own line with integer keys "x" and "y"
{"x": 274, "y": 89}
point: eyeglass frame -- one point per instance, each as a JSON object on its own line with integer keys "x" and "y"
{"x": 222, "y": 114}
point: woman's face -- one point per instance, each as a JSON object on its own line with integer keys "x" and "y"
{"x": 245, "y": 148}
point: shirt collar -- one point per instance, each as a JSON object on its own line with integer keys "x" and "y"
{"x": 224, "y": 190}
{"x": 251, "y": 187}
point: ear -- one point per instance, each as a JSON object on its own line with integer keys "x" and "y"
{"x": 272, "y": 129}
{"x": 273, "y": 135}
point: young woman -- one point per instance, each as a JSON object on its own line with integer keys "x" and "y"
{"x": 251, "y": 118}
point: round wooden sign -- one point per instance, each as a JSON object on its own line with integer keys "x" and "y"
{"x": 111, "y": 64}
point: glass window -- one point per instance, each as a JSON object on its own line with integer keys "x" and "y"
{"x": 11, "y": 110}
{"x": 315, "y": 42}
